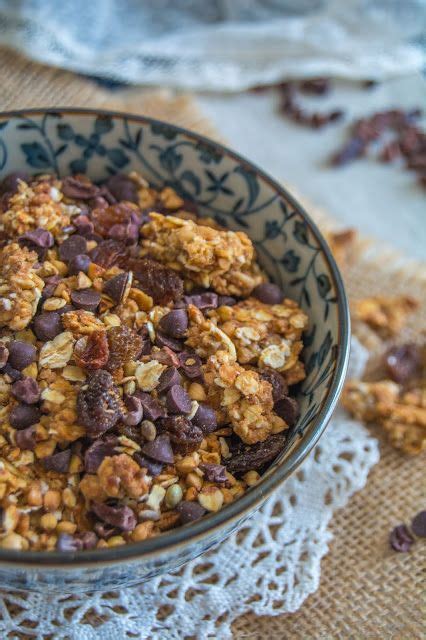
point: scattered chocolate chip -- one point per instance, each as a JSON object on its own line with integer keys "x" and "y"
{"x": 71, "y": 247}
{"x": 50, "y": 285}
{"x": 117, "y": 286}
{"x": 165, "y": 341}
{"x": 190, "y": 511}
{"x": 214, "y": 472}
{"x": 134, "y": 413}
{"x": 39, "y": 238}
{"x": 205, "y": 418}
{"x": 83, "y": 225}
{"x": 21, "y": 354}
{"x": 268, "y": 293}
{"x": 174, "y": 323}
{"x": 288, "y": 409}
{"x": 177, "y": 400}
{"x": 190, "y": 363}
{"x": 403, "y": 363}
{"x": 122, "y": 188}
{"x": 159, "y": 449}
{"x": 276, "y": 380}
{"x": 23, "y": 416}
{"x": 401, "y": 539}
{"x": 58, "y": 462}
{"x": 126, "y": 232}
{"x": 4, "y": 354}
{"x": 13, "y": 374}
{"x": 97, "y": 451}
{"x": 10, "y": 183}
{"x": 152, "y": 409}
{"x": 203, "y": 301}
{"x": 168, "y": 379}
{"x": 153, "y": 467}
{"x": 87, "y": 299}
{"x": 418, "y": 524}
{"x": 26, "y": 390}
{"x": 80, "y": 262}
{"x": 26, "y": 438}
{"x": 121, "y": 517}
{"x": 257, "y": 455}
{"x": 185, "y": 437}
{"x": 47, "y": 325}
{"x": 226, "y": 301}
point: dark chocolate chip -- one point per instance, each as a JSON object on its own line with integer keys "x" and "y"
{"x": 39, "y": 238}
{"x": 24, "y": 415}
{"x": 116, "y": 287}
{"x": 226, "y": 301}
{"x": 13, "y": 374}
{"x": 26, "y": 438}
{"x": 190, "y": 511}
{"x": 190, "y": 363}
{"x": 401, "y": 539}
{"x": 159, "y": 449}
{"x": 276, "y": 380}
{"x": 97, "y": 451}
{"x": 214, "y": 472}
{"x": 58, "y": 462}
{"x": 47, "y": 325}
{"x": 10, "y": 183}
{"x": 154, "y": 468}
{"x": 50, "y": 285}
{"x": 403, "y": 362}
{"x": 268, "y": 293}
{"x": 205, "y": 418}
{"x": 21, "y": 354}
{"x": 134, "y": 413}
{"x": 126, "y": 232}
{"x": 26, "y": 390}
{"x": 121, "y": 517}
{"x": 84, "y": 225}
{"x": 80, "y": 262}
{"x": 87, "y": 299}
{"x": 168, "y": 379}
{"x": 288, "y": 409}
{"x": 174, "y": 323}
{"x": 122, "y": 188}
{"x": 418, "y": 524}
{"x": 78, "y": 189}
{"x": 203, "y": 301}
{"x": 152, "y": 409}
{"x": 4, "y": 354}
{"x": 72, "y": 246}
{"x": 165, "y": 341}
{"x": 177, "y": 400}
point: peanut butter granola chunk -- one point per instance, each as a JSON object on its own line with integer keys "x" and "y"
{"x": 222, "y": 260}
{"x": 386, "y": 315}
{"x": 20, "y": 286}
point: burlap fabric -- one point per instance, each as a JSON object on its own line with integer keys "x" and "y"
{"x": 366, "y": 591}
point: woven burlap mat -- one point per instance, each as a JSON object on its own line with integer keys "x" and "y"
{"x": 366, "y": 590}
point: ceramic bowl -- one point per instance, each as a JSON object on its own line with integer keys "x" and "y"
{"x": 290, "y": 248}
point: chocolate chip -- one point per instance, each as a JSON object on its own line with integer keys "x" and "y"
{"x": 154, "y": 468}
{"x": 288, "y": 409}
{"x": 121, "y": 517}
{"x": 23, "y": 416}
{"x": 401, "y": 539}
{"x": 226, "y": 301}
{"x": 26, "y": 391}
{"x": 203, "y": 301}
{"x": 418, "y": 524}
{"x": 126, "y": 232}
{"x": 116, "y": 287}
{"x": 205, "y": 418}
{"x": 72, "y": 246}
{"x": 58, "y": 462}
{"x": 152, "y": 410}
{"x": 78, "y": 189}
{"x": 190, "y": 363}
{"x": 12, "y": 373}
{"x": 134, "y": 413}
{"x": 87, "y": 299}
{"x": 268, "y": 293}
{"x": 159, "y": 449}
{"x": 403, "y": 362}
{"x": 190, "y": 511}
{"x": 10, "y": 183}
{"x": 165, "y": 341}
{"x": 168, "y": 379}
{"x": 122, "y": 188}
{"x": 80, "y": 262}
{"x": 47, "y": 325}
{"x": 26, "y": 438}
{"x": 21, "y": 354}
{"x": 84, "y": 225}
{"x": 4, "y": 354}
{"x": 50, "y": 285}
{"x": 177, "y": 400}
{"x": 276, "y": 380}
{"x": 174, "y": 323}
{"x": 39, "y": 238}
{"x": 97, "y": 451}
{"x": 214, "y": 472}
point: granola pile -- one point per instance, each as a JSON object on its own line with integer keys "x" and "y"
{"x": 145, "y": 363}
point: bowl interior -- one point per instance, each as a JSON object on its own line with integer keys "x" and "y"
{"x": 232, "y": 191}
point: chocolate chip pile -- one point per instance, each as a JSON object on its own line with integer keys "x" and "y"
{"x": 145, "y": 363}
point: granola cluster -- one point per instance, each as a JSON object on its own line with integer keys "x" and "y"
{"x": 145, "y": 363}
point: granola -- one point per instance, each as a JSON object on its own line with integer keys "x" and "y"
{"x": 385, "y": 315}
{"x": 136, "y": 393}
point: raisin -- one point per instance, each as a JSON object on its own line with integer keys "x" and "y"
{"x": 159, "y": 282}
{"x": 104, "y": 218}
{"x": 124, "y": 345}
{"x": 404, "y": 362}
{"x": 92, "y": 351}
{"x": 108, "y": 253}
{"x": 98, "y": 404}
{"x": 256, "y": 455}
{"x": 184, "y": 436}
{"x": 276, "y": 380}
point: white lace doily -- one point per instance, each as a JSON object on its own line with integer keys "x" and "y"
{"x": 269, "y": 567}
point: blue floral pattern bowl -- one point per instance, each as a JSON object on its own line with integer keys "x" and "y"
{"x": 290, "y": 248}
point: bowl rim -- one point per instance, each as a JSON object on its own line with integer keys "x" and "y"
{"x": 252, "y": 499}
